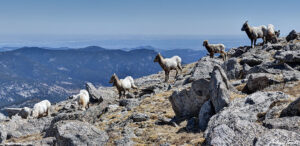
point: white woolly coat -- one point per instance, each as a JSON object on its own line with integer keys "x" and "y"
{"x": 40, "y": 108}
{"x": 127, "y": 83}
{"x": 259, "y": 31}
{"x": 172, "y": 62}
{"x": 271, "y": 29}
{"x": 83, "y": 98}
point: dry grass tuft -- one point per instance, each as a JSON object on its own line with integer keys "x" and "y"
{"x": 290, "y": 88}
{"x": 240, "y": 87}
{"x": 148, "y": 133}
{"x": 188, "y": 67}
{"x": 234, "y": 95}
{"x": 27, "y": 138}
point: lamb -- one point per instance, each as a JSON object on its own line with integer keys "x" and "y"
{"x": 215, "y": 48}
{"x": 255, "y": 32}
{"x": 41, "y": 108}
{"x": 83, "y": 99}
{"x": 271, "y": 34}
{"x": 122, "y": 85}
{"x": 169, "y": 64}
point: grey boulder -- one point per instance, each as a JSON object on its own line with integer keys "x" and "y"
{"x": 233, "y": 68}
{"x": 293, "y": 109}
{"x": 278, "y": 137}
{"x": 205, "y": 113}
{"x": 219, "y": 89}
{"x": 237, "y": 123}
{"x": 79, "y": 133}
{"x": 187, "y": 102}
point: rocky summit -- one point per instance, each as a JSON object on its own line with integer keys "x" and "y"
{"x": 252, "y": 98}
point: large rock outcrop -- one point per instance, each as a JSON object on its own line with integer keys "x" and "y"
{"x": 219, "y": 88}
{"x": 187, "y": 102}
{"x": 18, "y": 127}
{"x": 233, "y": 68}
{"x": 203, "y": 68}
{"x": 237, "y": 123}
{"x": 292, "y": 36}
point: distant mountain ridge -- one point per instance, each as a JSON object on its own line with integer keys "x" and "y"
{"x": 33, "y": 72}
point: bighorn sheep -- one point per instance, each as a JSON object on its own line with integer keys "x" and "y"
{"x": 168, "y": 64}
{"x": 255, "y": 32}
{"x": 215, "y": 48}
{"x": 122, "y": 85}
{"x": 41, "y": 108}
{"x": 271, "y": 34}
{"x": 83, "y": 99}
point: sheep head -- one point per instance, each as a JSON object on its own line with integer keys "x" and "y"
{"x": 245, "y": 26}
{"x": 112, "y": 78}
{"x": 205, "y": 43}
{"x": 156, "y": 59}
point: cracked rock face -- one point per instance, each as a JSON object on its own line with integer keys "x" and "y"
{"x": 79, "y": 133}
{"x": 238, "y": 123}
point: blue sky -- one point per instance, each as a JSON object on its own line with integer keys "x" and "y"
{"x": 144, "y": 17}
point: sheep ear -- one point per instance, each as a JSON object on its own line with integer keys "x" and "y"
{"x": 246, "y": 21}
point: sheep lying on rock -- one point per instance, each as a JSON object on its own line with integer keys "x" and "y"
{"x": 122, "y": 85}
{"x": 168, "y": 64}
{"x": 271, "y": 35}
{"x": 41, "y": 109}
{"x": 255, "y": 32}
{"x": 215, "y": 48}
{"x": 83, "y": 99}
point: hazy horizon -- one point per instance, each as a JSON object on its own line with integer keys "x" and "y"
{"x": 121, "y": 42}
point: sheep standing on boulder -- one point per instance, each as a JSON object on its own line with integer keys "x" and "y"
{"x": 41, "y": 109}
{"x": 122, "y": 85}
{"x": 255, "y": 32}
{"x": 215, "y": 48}
{"x": 83, "y": 99}
{"x": 168, "y": 64}
{"x": 271, "y": 34}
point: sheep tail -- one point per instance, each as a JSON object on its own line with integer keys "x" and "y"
{"x": 178, "y": 60}
{"x": 132, "y": 83}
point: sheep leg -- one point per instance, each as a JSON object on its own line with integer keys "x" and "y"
{"x": 223, "y": 57}
{"x": 255, "y": 42}
{"x": 252, "y": 43}
{"x": 275, "y": 39}
{"x": 176, "y": 73}
{"x": 166, "y": 76}
{"x": 120, "y": 94}
{"x": 180, "y": 67}
{"x": 211, "y": 54}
